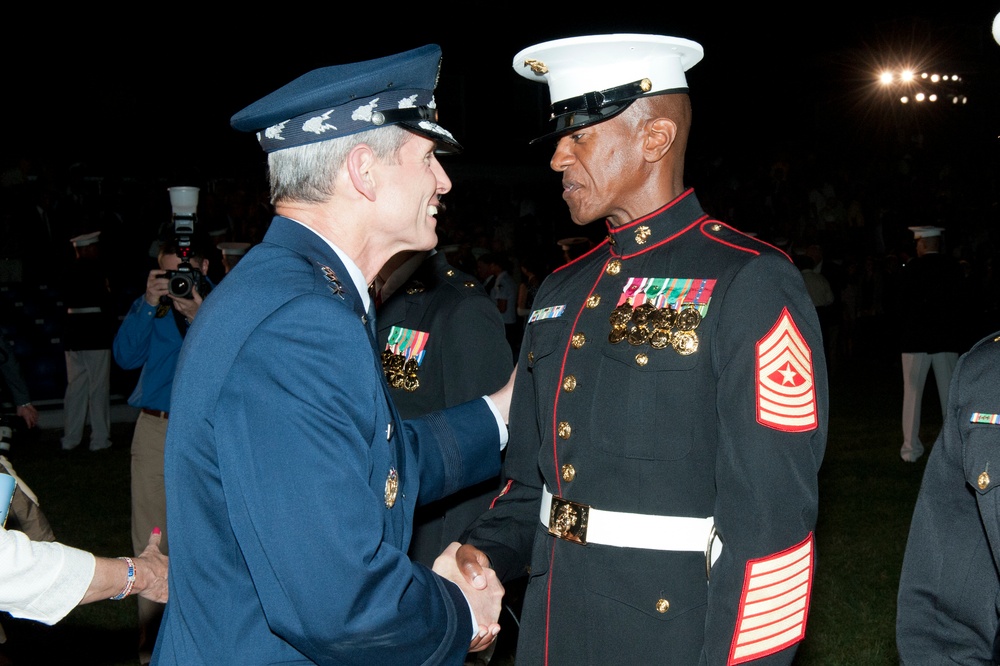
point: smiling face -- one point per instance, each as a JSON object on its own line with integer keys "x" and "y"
{"x": 408, "y": 195}
{"x": 603, "y": 170}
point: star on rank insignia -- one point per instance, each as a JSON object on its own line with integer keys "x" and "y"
{"x": 786, "y": 395}
{"x": 333, "y": 281}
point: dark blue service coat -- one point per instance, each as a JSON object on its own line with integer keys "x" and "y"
{"x": 287, "y": 544}
{"x": 735, "y": 429}
{"x": 949, "y": 588}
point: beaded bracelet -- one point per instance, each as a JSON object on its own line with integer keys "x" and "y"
{"x": 129, "y": 582}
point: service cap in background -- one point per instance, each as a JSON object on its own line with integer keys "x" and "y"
{"x": 926, "y": 231}
{"x": 594, "y": 78}
{"x": 83, "y": 240}
{"x": 570, "y": 243}
{"x": 233, "y": 248}
{"x": 341, "y": 100}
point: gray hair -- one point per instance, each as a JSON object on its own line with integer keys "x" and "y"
{"x": 306, "y": 173}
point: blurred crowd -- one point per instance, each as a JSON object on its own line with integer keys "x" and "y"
{"x": 845, "y": 218}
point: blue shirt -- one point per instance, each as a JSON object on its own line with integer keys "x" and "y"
{"x": 152, "y": 344}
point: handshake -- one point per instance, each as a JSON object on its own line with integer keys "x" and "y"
{"x": 469, "y": 568}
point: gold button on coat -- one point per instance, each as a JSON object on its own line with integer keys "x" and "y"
{"x": 565, "y": 430}
{"x": 568, "y": 472}
{"x": 984, "y": 480}
{"x": 641, "y": 359}
{"x": 579, "y": 339}
{"x": 594, "y": 301}
{"x": 662, "y": 605}
{"x": 569, "y": 383}
{"x": 614, "y": 267}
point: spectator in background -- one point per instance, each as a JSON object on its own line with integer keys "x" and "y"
{"x": 504, "y": 294}
{"x": 818, "y": 286}
{"x": 86, "y": 337}
{"x": 150, "y": 338}
{"x": 831, "y": 315}
{"x": 232, "y": 252}
{"x": 928, "y": 283}
{"x": 10, "y": 371}
{"x": 531, "y": 278}
{"x": 24, "y": 506}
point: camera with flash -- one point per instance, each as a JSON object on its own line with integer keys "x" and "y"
{"x": 183, "y": 281}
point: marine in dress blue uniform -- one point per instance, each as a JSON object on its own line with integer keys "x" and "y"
{"x": 926, "y": 281}
{"x": 291, "y": 480}
{"x": 949, "y": 585}
{"x": 670, "y": 404}
{"x": 442, "y": 319}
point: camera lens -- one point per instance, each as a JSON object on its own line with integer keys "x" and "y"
{"x": 180, "y": 285}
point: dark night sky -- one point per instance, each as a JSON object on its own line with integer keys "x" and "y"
{"x": 158, "y": 96}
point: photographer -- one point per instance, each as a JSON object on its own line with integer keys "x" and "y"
{"x": 150, "y": 337}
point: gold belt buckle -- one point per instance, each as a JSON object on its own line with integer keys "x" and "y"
{"x": 568, "y": 520}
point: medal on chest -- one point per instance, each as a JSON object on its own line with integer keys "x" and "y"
{"x": 661, "y": 312}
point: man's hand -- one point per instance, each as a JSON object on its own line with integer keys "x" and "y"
{"x": 480, "y": 585}
{"x": 501, "y": 399}
{"x": 188, "y": 307}
{"x": 29, "y": 414}
{"x": 156, "y": 286}
{"x": 151, "y": 570}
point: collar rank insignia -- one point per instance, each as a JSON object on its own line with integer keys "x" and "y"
{"x": 391, "y": 488}
{"x": 334, "y": 282}
{"x": 404, "y": 352}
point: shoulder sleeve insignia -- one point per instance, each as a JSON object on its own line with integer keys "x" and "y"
{"x": 786, "y": 394}
{"x": 774, "y": 604}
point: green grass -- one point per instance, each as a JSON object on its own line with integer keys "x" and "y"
{"x": 866, "y": 501}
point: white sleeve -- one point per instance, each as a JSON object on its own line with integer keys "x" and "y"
{"x": 40, "y": 580}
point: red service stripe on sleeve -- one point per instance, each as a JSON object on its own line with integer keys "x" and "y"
{"x": 510, "y": 482}
{"x": 786, "y": 395}
{"x": 774, "y": 604}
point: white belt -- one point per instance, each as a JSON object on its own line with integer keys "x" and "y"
{"x": 584, "y": 524}
{"x": 91, "y": 310}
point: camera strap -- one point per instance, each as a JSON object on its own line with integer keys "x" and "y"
{"x": 182, "y": 325}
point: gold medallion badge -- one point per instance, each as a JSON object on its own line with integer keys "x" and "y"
{"x": 391, "y": 488}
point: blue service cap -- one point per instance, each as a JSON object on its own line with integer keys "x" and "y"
{"x": 341, "y": 100}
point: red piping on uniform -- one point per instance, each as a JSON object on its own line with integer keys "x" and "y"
{"x": 503, "y": 492}
{"x": 555, "y": 452}
{"x": 735, "y": 247}
{"x": 656, "y": 212}
{"x": 562, "y": 372}
{"x": 665, "y": 240}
